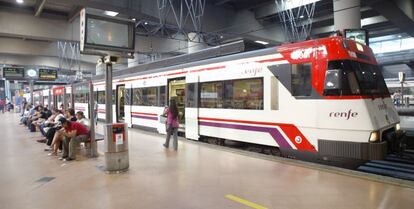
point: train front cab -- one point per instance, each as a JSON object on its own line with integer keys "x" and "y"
{"x": 356, "y": 119}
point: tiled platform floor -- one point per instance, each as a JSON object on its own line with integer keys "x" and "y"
{"x": 192, "y": 178}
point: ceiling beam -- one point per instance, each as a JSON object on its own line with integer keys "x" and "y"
{"x": 390, "y": 10}
{"x": 39, "y": 7}
{"x": 221, "y": 2}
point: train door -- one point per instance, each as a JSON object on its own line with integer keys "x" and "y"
{"x": 191, "y": 107}
{"x": 120, "y": 103}
{"x": 176, "y": 91}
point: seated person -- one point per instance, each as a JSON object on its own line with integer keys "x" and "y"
{"x": 81, "y": 119}
{"x": 50, "y": 133}
{"x": 74, "y": 133}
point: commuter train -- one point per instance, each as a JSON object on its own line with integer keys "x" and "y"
{"x": 320, "y": 99}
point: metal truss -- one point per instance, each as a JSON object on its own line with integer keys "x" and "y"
{"x": 187, "y": 16}
{"x": 70, "y": 58}
{"x": 296, "y": 18}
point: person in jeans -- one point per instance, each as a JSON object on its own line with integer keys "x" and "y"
{"x": 172, "y": 124}
{"x": 73, "y": 133}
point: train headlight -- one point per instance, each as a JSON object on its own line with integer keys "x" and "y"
{"x": 397, "y": 127}
{"x": 374, "y": 136}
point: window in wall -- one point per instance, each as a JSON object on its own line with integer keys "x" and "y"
{"x": 301, "y": 79}
{"x": 211, "y": 95}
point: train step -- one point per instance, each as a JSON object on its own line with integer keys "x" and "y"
{"x": 395, "y": 158}
{"x": 390, "y": 167}
{"x": 386, "y": 172}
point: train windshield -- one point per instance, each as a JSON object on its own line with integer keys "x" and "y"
{"x": 348, "y": 77}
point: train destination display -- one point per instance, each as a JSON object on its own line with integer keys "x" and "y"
{"x": 13, "y": 72}
{"x": 47, "y": 74}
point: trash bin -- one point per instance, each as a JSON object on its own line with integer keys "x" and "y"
{"x": 116, "y": 147}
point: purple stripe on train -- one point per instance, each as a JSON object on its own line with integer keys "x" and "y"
{"x": 274, "y": 132}
{"x": 145, "y": 117}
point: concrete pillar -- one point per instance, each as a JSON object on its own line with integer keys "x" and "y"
{"x": 31, "y": 92}
{"x": 195, "y": 43}
{"x": 347, "y": 14}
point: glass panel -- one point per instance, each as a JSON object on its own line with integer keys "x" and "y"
{"x": 163, "y": 96}
{"x": 191, "y": 95}
{"x": 128, "y": 96}
{"x": 248, "y": 94}
{"x": 211, "y": 95}
{"x": 101, "y": 97}
{"x": 137, "y": 96}
{"x": 302, "y": 79}
{"x": 150, "y": 96}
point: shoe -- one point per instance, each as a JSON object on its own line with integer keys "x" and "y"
{"x": 165, "y": 145}
{"x": 68, "y": 159}
{"x": 62, "y": 158}
{"x": 41, "y": 140}
{"x": 52, "y": 154}
{"x": 48, "y": 149}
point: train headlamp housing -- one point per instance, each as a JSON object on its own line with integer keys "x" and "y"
{"x": 397, "y": 127}
{"x": 374, "y": 137}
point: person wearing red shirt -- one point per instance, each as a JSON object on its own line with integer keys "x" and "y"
{"x": 74, "y": 133}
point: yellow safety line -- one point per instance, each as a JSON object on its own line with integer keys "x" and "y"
{"x": 244, "y": 202}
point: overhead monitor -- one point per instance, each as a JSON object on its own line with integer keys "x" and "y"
{"x": 13, "y": 72}
{"x": 105, "y": 33}
{"x": 358, "y": 35}
{"x": 47, "y": 74}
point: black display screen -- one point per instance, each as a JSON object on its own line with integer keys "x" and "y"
{"x": 47, "y": 74}
{"x": 13, "y": 72}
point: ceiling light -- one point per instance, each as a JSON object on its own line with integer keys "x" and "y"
{"x": 145, "y": 23}
{"x": 301, "y": 16}
{"x": 399, "y": 36}
{"x": 221, "y": 36}
{"x": 111, "y": 13}
{"x": 20, "y": 1}
{"x": 133, "y": 19}
{"x": 262, "y": 42}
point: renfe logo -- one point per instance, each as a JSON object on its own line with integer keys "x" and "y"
{"x": 345, "y": 115}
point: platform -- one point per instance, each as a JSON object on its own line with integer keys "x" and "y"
{"x": 195, "y": 177}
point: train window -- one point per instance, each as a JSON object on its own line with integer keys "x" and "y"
{"x": 233, "y": 94}
{"x": 301, "y": 79}
{"x": 113, "y": 96}
{"x": 137, "y": 96}
{"x": 211, "y": 95}
{"x": 191, "y": 95}
{"x": 244, "y": 94}
{"x": 128, "y": 96}
{"x": 162, "y": 97}
{"x": 150, "y": 96}
{"x": 101, "y": 97}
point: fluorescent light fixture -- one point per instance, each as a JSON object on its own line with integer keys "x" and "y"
{"x": 399, "y": 36}
{"x": 286, "y": 5}
{"x": 262, "y": 42}
{"x": 111, "y": 13}
{"x": 145, "y": 23}
{"x": 133, "y": 19}
{"x": 20, "y": 1}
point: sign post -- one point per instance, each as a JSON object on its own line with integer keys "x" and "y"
{"x": 109, "y": 37}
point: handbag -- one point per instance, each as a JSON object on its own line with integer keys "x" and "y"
{"x": 163, "y": 118}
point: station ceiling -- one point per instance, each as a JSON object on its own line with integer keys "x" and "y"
{"x": 222, "y": 21}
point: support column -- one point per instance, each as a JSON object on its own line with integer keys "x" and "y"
{"x": 31, "y": 92}
{"x": 347, "y": 14}
{"x": 94, "y": 146}
{"x": 108, "y": 93}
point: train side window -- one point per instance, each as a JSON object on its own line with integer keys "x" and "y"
{"x": 127, "y": 96}
{"x": 301, "y": 79}
{"x": 211, "y": 95}
{"x": 150, "y": 96}
{"x": 191, "y": 95}
{"x": 162, "y": 96}
{"x": 101, "y": 97}
{"x": 247, "y": 94}
{"x": 137, "y": 96}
